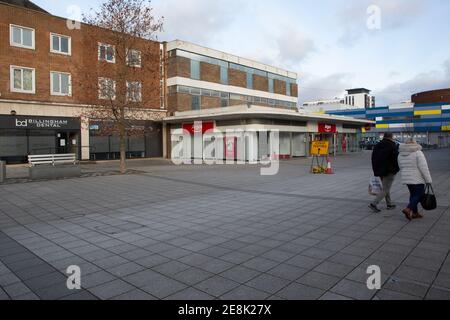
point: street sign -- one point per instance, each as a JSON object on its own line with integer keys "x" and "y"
{"x": 319, "y": 148}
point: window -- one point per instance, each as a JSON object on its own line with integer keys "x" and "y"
{"x": 249, "y": 80}
{"x": 195, "y": 103}
{"x": 60, "y": 84}
{"x": 134, "y": 58}
{"x": 224, "y": 75}
{"x": 106, "y": 52}
{"x": 224, "y": 103}
{"x": 270, "y": 85}
{"x": 60, "y": 44}
{"x": 288, "y": 89}
{"x": 21, "y": 37}
{"x": 195, "y": 70}
{"x": 134, "y": 91}
{"x": 224, "y": 96}
{"x": 22, "y": 79}
{"x": 183, "y": 89}
{"x": 106, "y": 89}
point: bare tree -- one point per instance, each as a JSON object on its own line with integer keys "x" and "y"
{"x": 123, "y": 84}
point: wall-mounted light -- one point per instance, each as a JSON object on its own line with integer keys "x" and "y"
{"x": 13, "y": 112}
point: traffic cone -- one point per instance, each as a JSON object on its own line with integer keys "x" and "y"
{"x": 329, "y": 168}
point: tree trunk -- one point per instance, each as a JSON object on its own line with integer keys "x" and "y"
{"x": 122, "y": 137}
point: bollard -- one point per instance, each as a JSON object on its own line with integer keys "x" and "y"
{"x": 2, "y": 171}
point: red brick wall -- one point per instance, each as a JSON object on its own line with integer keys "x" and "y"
{"x": 279, "y": 86}
{"x": 435, "y": 96}
{"x": 179, "y": 67}
{"x": 260, "y": 83}
{"x": 237, "y": 78}
{"x": 83, "y": 64}
{"x": 209, "y": 72}
{"x": 210, "y": 102}
{"x": 179, "y": 102}
{"x": 294, "y": 90}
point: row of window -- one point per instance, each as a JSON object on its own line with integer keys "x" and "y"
{"x": 196, "y": 93}
{"x": 23, "y": 81}
{"x": 24, "y": 37}
{"x": 224, "y": 66}
{"x": 107, "y": 90}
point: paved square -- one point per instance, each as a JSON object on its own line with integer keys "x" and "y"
{"x": 222, "y": 232}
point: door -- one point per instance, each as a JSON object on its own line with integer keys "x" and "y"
{"x": 298, "y": 144}
{"x": 74, "y": 143}
{"x": 68, "y": 142}
{"x": 62, "y": 142}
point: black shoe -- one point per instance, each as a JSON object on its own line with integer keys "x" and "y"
{"x": 374, "y": 208}
{"x": 391, "y": 206}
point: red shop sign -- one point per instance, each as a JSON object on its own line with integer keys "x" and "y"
{"x": 198, "y": 126}
{"x": 327, "y": 128}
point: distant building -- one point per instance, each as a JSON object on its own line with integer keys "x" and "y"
{"x": 360, "y": 98}
{"x": 354, "y": 99}
{"x": 426, "y": 118}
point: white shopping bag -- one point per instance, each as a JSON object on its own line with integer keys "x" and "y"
{"x": 375, "y": 186}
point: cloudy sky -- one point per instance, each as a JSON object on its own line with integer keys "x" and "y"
{"x": 327, "y": 42}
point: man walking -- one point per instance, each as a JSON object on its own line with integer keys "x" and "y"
{"x": 385, "y": 166}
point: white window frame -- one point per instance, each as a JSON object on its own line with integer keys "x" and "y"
{"x": 59, "y": 51}
{"x": 140, "y": 58}
{"x": 19, "y": 45}
{"x": 100, "y": 96}
{"x": 106, "y": 56}
{"x": 53, "y": 93}
{"x": 11, "y": 76}
{"x": 128, "y": 93}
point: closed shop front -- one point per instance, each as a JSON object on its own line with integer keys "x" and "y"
{"x": 144, "y": 140}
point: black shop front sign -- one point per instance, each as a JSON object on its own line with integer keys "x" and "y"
{"x": 39, "y": 123}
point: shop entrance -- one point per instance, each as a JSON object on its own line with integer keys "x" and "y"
{"x": 67, "y": 142}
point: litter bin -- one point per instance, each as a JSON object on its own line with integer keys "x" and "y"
{"x": 2, "y": 171}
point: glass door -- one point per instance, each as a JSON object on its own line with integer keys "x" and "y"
{"x": 62, "y": 143}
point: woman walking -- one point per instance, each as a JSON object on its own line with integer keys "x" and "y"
{"x": 415, "y": 174}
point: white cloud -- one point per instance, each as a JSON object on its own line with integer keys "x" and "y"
{"x": 394, "y": 15}
{"x": 313, "y": 87}
{"x": 197, "y": 21}
{"x": 401, "y": 91}
{"x": 293, "y": 45}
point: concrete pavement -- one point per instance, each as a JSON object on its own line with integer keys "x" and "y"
{"x": 222, "y": 232}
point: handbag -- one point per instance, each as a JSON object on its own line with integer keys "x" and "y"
{"x": 428, "y": 200}
{"x": 375, "y": 186}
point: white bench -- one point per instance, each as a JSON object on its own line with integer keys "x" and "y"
{"x": 53, "y": 159}
{"x": 53, "y": 166}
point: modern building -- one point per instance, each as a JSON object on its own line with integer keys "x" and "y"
{"x": 250, "y": 126}
{"x": 202, "y": 78}
{"x": 45, "y": 63}
{"x": 360, "y": 98}
{"x": 426, "y": 118}
{"x": 228, "y": 92}
{"x": 353, "y": 99}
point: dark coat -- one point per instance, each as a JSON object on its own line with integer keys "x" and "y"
{"x": 384, "y": 158}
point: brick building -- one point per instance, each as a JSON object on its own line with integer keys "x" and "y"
{"x": 202, "y": 78}
{"x": 212, "y": 92}
{"x": 49, "y": 74}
